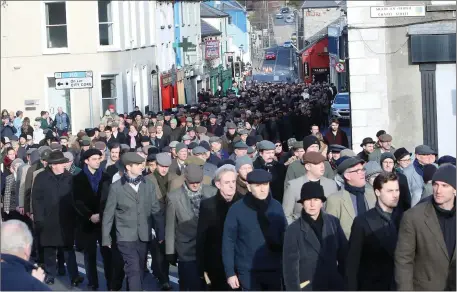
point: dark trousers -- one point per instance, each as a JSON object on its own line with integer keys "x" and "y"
{"x": 50, "y": 253}
{"x": 90, "y": 257}
{"x": 218, "y": 280}
{"x": 134, "y": 255}
{"x": 117, "y": 269}
{"x": 189, "y": 279}
{"x": 260, "y": 280}
{"x": 159, "y": 265}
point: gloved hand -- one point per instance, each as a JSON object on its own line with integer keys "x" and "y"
{"x": 172, "y": 259}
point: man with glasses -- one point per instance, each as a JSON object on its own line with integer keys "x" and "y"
{"x": 387, "y": 165}
{"x": 403, "y": 158}
{"x": 351, "y": 200}
{"x": 415, "y": 171}
{"x": 385, "y": 145}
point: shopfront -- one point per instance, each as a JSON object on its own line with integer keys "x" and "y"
{"x": 316, "y": 63}
{"x": 169, "y": 92}
{"x": 180, "y": 87}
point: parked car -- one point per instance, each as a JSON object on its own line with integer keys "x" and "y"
{"x": 285, "y": 10}
{"x": 270, "y": 56}
{"x": 287, "y": 44}
{"x": 279, "y": 16}
{"x": 290, "y": 19}
{"x": 340, "y": 107}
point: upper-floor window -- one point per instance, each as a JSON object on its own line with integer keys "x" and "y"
{"x": 56, "y": 25}
{"x": 105, "y": 23}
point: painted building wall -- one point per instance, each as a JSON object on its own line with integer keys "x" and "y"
{"x": 316, "y": 19}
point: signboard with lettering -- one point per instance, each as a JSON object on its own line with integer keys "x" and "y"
{"x": 319, "y": 70}
{"x": 211, "y": 49}
{"x": 74, "y": 80}
{"x": 306, "y": 69}
{"x": 397, "y": 11}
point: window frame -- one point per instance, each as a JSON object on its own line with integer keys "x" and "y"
{"x": 152, "y": 22}
{"x": 119, "y": 101}
{"x": 115, "y": 16}
{"x": 133, "y": 24}
{"x": 44, "y": 30}
{"x": 126, "y": 24}
{"x": 142, "y": 10}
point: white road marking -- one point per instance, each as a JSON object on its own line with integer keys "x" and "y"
{"x": 276, "y": 60}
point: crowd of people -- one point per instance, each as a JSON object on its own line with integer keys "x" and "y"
{"x": 240, "y": 191}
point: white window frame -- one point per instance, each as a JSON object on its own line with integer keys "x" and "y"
{"x": 196, "y": 12}
{"x": 126, "y": 24}
{"x": 170, "y": 17}
{"x": 152, "y": 22}
{"x": 144, "y": 86}
{"x": 116, "y": 46}
{"x": 441, "y": 2}
{"x": 133, "y": 24}
{"x": 189, "y": 12}
{"x": 119, "y": 91}
{"x": 44, "y": 33}
{"x": 142, "y": 10}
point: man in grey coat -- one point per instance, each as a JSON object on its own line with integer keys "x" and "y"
{"x": 314, "y": 165}
{"x": 182, "y": 214}
{"x": 209, "y": 169}
{"x": 133, "y": 204}
{"x": 296, "y": 169}
{"x": 385, "y": 145}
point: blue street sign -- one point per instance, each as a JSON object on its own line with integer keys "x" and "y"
{"x": 73, "y": 74}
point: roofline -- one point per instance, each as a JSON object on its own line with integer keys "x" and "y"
{"x": 224, "y": 16}
{"x": 211, "y": 34}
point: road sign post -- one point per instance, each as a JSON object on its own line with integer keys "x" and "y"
{"x": 77, "y": 80}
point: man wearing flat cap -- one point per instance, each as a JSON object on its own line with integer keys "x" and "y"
{"x": 161, "y": 180}
{"x": 351, "y": 200}
{"x": 213, "y": 127}
{"x": 209, "y": 169}
{"x": 414, "y": 173}
{"x": 182, "y": 215}
{"x": 88, "y": 187}
{"x": 314, "y": 246}
{"x": 266, "y": 161}
{"x": 425, "y": 251}
{"x": 240, "y": 149}
{"x": 177, "y": 165}
{"x": 177, "y": 181}
{"x": 132, "y": 203}
{"x": 52, "y": 196}
{"x": 385, "y": 145}
{"x": 367, "y": 148}
{"x": 314, "y": 165}
{"x": 229, "y": 137}
{"x": 253, "y": 237}
{"x": 217, "y": 153}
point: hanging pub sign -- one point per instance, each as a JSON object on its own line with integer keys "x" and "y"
{"x": 211, "y": 49}
{"x": 167, "y": 79}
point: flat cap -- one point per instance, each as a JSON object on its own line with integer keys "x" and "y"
{"x": 297, "y": 145}
{"x": 30, "y": 150}
{"x": 194, "y": 160}
{"x": 199, "y": 150}
{"x": 240, "y": 145}
{"x": 201, "y": 130}
{"x": 193, "y": 173}
{"x": 240, "y": 161}
{"x": 424, "y": 150}
{"x": 385, "y": 138}
{"x": 131, "y": 158}
{"x": 347, "y": 152}
{"x": 251, "y": 150}
{"x": 313, "y": 157}
{"x": 45, "y": 154}
{"x": 69, "y": 155}
{"x": 348, "y": 163}
{"x": 85, "y": 141}
{"x": 336, "y": 148}
{"x": 16, "y": 161}
{"x": 230, "y": 125}
{"x": 243, "y": 132}
{"x": 56, "y": 146}
{"x": 146, "y": 148}
{"x": 42, "y": 148}
{"x": 91, "y": 152}
{"x": 180, "y": 146}
{"x": 189, "y": 119}
{"x": 100, "y": 145}
{"x": 163, "y": 159}
{"x": 125, "y": 147}
{"x": 212, "y": 116}
{"x": 192, "y": 145}
{"x": 186, "y": 137}
{"x": 205, "y": 145}
{"x": 190, "y": 129}
{"x": 61, "y": 137}
{"x": 259, "y": 176}
{"x": 372, "y": 168}
{"x": 173, "y": 144}
{"x": 215, "y": 139}
{"x": 266, "y": 145}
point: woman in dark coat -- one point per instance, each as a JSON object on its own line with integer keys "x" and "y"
{"x": 314, "y": 246}
{"x": 133, "y": 138}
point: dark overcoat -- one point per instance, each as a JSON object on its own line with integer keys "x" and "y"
{"x": 53, "y": 211}
{"x": 305, "y": 258}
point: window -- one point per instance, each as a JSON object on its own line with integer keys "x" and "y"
{"x": 229, "y": 20}
{"x": 58, "y": 98}
{"x": 56, "y": 25}
{"x": 109, "y": 91}
{"x": 105, "y": 22}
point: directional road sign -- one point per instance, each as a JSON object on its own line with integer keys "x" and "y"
{"x": 74, "y": 80}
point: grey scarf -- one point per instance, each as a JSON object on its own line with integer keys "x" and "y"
{"x": 195, "y": 198}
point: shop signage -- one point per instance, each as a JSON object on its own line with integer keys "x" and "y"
{"x": 306, "y": 69}
{"x": 319, "y": 70}
{"x": 166, "y": 79}
{"x": 211, "y": 49}
{"x": 397, "y": 11}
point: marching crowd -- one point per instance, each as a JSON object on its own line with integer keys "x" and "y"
{"x": 241, "y": 191}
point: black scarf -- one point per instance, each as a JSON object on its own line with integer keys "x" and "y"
{"x": 316, "y": 225}
{"x": 359, "y": 193}
{"x": 223, "y": 206}
{"x": 447, "y": 221}
{"x": 261, "y": 206}
{"x": 135, "y": 181}
{"x": 162, "y": 181}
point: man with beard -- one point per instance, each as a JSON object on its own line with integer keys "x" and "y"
{"x": 243, "y": 166}
{"x": 267, "y": 162}
{"x": 211, "y": 225}
{"x": 335, "y": 135}
{"x": 370, "y": 258}
{"x": 368, "y": 148}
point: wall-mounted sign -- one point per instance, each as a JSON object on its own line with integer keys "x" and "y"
{"x": 306, "y": 69}
{"x": 166, "y": 79}
{"x": 397, "y": 11}
{"x": 211, "y": 49}
{"x": 319, "y": 70}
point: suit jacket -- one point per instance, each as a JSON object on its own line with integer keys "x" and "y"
{"x": 292, "y": 209}
{"x": 376, "y": 154}
{"x": 181, "y": 227}
{"x": 296, "y": 170}
{"x": 121, "y": 138}
{"x": 136, "y": 214}
{"x": 340, "y": 205}
{"x": 422, "y": 261}
{"x": 370, "y": 258}
{"x": 174, "y": 168}
{"x": 305, "y": 258}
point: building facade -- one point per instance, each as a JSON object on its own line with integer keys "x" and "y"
{"x": 320, "y": 14}
{"x": 402, "y": 73}
{"x": 115, "y": 40}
